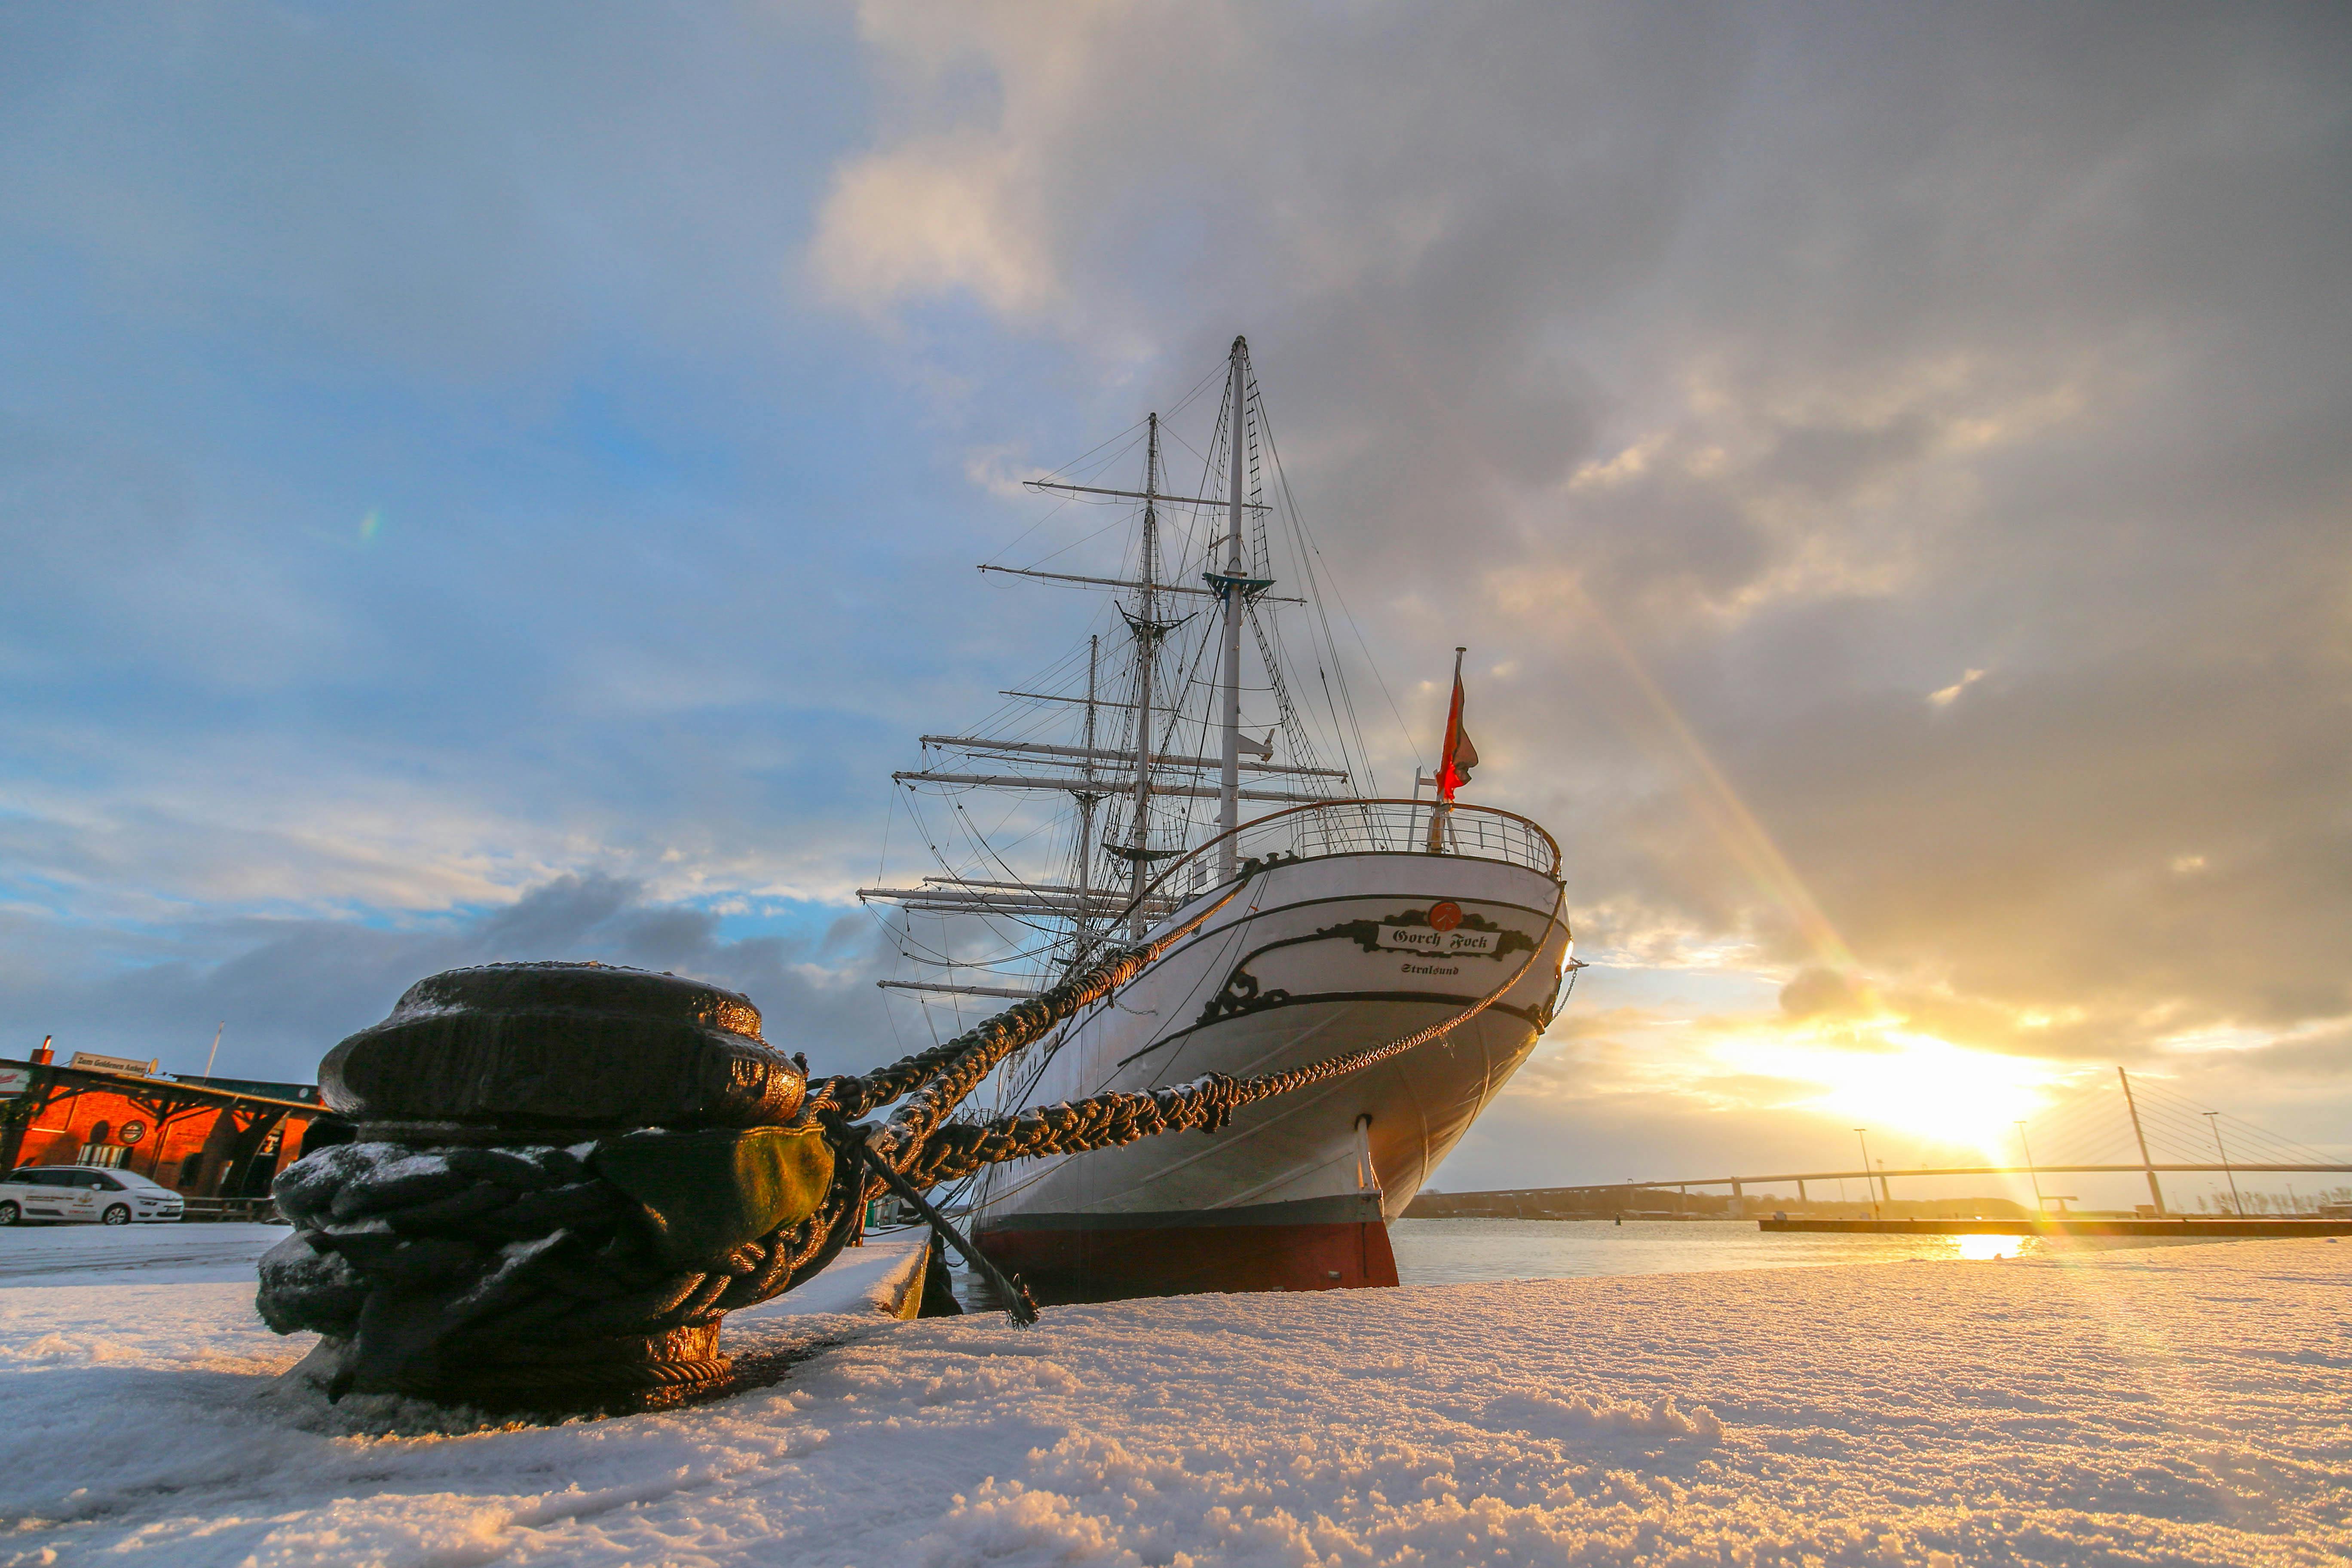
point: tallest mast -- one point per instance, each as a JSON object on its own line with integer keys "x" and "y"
{"x": 1148, "y": 632}
{"x": 1229, "y": 785}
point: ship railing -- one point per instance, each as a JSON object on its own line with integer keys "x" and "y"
{"x": 1331, "y": 827}
{"x": 1360, "y": 826}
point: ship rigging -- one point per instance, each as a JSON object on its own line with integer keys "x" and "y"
{"x": 1149, "y": 731}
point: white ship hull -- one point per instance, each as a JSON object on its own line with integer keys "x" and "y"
{"x": 1316, "y": 958}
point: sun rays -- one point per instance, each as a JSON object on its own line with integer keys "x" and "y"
{"x": 1878, "y": 1074}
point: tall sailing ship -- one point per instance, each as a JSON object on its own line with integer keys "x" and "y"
{"x": 1201, "y": 749}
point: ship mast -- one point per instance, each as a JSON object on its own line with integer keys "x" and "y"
{"x": 1229, "y": 782}
{"x": 1094, "y": 773}
{"x": 1087, "y": 800}
{"x": 1146, "y": 629}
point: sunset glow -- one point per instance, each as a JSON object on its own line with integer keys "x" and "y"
{"x": 1887, "y": 1077}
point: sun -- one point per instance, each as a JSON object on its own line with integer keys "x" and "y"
{"x": 1881, "y": 1076}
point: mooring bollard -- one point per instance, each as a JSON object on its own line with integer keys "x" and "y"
{"x": 565, "y": 1174}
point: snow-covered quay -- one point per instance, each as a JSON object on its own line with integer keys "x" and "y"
{"x": 2179, "y": 1406}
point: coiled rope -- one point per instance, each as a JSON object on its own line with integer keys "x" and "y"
{"x": 465, "y": 1220}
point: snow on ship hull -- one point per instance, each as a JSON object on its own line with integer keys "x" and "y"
{"x": 1316, "y": 958}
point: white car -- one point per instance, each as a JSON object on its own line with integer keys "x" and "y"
{"x": 93, "y": 1192}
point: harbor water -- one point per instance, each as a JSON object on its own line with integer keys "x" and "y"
{"x": 1455, "y": 1251}
{"x": 1465, "y": 1251}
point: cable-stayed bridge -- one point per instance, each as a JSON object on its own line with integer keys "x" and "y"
{"x": 2131, "y": 1128}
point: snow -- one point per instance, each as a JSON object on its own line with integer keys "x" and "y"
{"x": 2127, "y": 1407}
{"x": 875, "y": 1279}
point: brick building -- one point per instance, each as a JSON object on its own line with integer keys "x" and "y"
{"x": 207, "y": 1137}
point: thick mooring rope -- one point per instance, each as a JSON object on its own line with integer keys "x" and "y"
{"x": 933, "y": 1083}
{"x": 388, "y": 1214}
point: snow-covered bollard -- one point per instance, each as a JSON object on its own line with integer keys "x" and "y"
{"x": 565, "y": 1175}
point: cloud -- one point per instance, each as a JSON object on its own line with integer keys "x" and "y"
{"x": 1944, "y": 697}
{"x": 1818, "y": 990}
{"x": 289, "y": 989}
{"x": 928, "y": 219}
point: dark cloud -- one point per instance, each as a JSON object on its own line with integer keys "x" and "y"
{"x": 1817, "y": 991}
{"x": 288, "y": 990}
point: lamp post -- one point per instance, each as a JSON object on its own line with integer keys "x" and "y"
{"x": 2211, "y": 1120}
{"x": 1865, "y": 1169}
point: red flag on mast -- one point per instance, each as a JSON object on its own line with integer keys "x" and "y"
{"x": 1460, "y": 756}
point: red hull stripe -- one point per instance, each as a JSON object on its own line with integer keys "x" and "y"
{"x": 1112, "y": 1265}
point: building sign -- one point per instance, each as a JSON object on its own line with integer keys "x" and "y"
{"x": 15, "y": 1081}
{"x": 133, "y": 1132}
{"x": 113, "y": 1064}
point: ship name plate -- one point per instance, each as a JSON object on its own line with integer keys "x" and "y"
{"x": 1422, "y": 938}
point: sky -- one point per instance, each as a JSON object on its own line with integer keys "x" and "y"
{"x": 503, "y": 482}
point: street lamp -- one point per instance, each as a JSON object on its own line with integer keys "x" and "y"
{"x": 2236, "y": 1202}
{"x": 1866, "y": 1170}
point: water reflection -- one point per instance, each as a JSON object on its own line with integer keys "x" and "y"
{"x": 1448, "y": 1251}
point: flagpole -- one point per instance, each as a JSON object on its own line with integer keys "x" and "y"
{"x": 1445, "y": 806}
